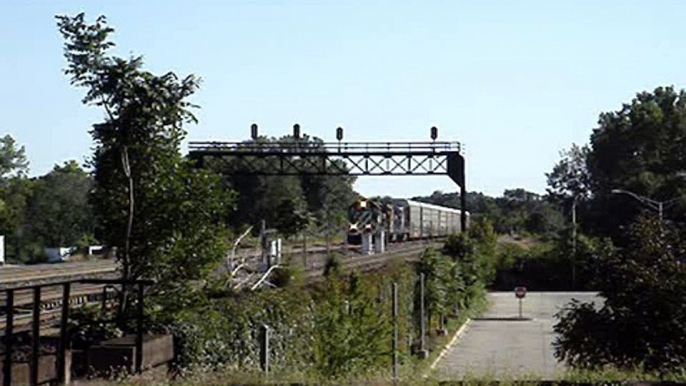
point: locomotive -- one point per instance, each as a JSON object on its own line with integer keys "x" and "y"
{"x": 401, "y": 220}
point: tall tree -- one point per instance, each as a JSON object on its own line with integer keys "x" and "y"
{"x": 15, "y": 189}
{"x": 164, "y": 217}
{"x": 323, "y": 198}
{"x": 12, "y": 158}
{"x": 569, "y": 177}
{"x": 638, "y": 148}
{"x": 58, "y": 212}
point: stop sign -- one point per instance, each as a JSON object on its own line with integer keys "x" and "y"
{"x": 520, "y": 292}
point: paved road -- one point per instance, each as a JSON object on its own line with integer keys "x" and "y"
{"x": 502, "y": 348}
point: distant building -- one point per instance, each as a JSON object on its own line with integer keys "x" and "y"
{"x": 58, "y": 255}
{"x": 62, "y": 254}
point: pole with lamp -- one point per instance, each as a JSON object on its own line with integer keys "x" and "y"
{"x": 652, "y": 204}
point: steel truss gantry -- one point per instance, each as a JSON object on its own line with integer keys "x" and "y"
{"x": 339, "y": 158}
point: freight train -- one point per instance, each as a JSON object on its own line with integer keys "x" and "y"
{"x": 401, "y": 220}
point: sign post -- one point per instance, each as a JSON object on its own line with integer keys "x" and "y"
{"x": 2, "y": 250}
{"x": 520, "y": 293}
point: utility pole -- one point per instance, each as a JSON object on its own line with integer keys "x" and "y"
{"x": 574, "y": 236}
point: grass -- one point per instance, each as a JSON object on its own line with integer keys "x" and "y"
{"x": 228, "y": 377}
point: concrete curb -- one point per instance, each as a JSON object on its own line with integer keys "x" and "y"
{"x": 461, "y": 331}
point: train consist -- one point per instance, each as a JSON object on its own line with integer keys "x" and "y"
{"x": 401, "y": 220}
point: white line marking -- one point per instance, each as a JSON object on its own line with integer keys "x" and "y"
{"x": 461, "y": 331}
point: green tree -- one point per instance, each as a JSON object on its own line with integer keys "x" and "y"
{"x": 545, "y": 219}
{"x": 322, "y": 198}
{"x": 639, "y": 148}
{"x": 58, "y": 213}
{"x": 438, "y": 286}
{"x": 473, "y": 267}
{"x": 164, "y": 217}
{"x": 570, "y": 177}
{"x": 351, "y": 331}
{"x": 290, "y": 220}
{"x": 15, "y": 189}
{"x": 12, "y": 158}
{"x": 643, "y": 288}
{"x": 478, "y": 204}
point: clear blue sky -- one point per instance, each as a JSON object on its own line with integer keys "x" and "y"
{"x": 516, "y": 81}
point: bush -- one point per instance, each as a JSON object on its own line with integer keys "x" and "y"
{"x": 87, "y": 326}
{"x": 225, "y": 331}
{"x": 643, "y": 317}
{"x": 547, "y": 266}
{"x": 333, "y": 265}
{"x": 285, "y": 276}
{"x": 352, "y": 330}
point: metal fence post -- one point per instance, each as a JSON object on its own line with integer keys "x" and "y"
{"x": 62, "y": 371}
{"x": 139, "y": 330}
{"x": 422, "y": 322}
{"x": 264, "y": 348}
{"x": 304, "y": 251}
{"x": 328, "y": 232}
{"x": 9, "y": 337}
{"x": 35, "y": 338}
{"x": 395, "y": 331}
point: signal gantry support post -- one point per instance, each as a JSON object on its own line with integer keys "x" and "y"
{"x": 300, "y": 158}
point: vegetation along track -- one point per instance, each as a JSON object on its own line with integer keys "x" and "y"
{"x": 51, "y": 296}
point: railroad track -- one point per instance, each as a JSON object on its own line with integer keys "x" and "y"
{"x": 365, "y": 263}
{"x": 51, "y": 301}
{"x": 23, "y": 275}
{"x": 82, "y": 294}
{"x": 17, "y": 276}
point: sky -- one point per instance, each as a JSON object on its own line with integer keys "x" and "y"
{"x": 514, "y": 81}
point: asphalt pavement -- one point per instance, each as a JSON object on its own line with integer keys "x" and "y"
{"x": 498, "y": 345}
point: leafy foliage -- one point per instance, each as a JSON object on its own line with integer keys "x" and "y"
{"x": 327, "y": 330}
{"x": 58, "y": 212}
{"x": 517, "y": 211}
{"x": 86, "y": 327}
{"x": 548, "y": 266}
{"x": 352, "y": 330}
{"x": 13, "y": 161}
{"x": 15, "y": 189}
{"x": 570, "y": 178}
{"x": 287, "y": 203}
{"x": 435, "y": 267}
{"x": 640, "y": 324}
{"x": 226, "y": 331}
{"x": 638, "y": 148}
{"x": 472, "y": 256}
{"x": 290, "y": 220}
{"x": 164, "y": 217}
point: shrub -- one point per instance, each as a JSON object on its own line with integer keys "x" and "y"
{"x": 226, "y": 331}
{"x": 643, "y": 317}
{"x": 351, "y": 329}
{"x": 87, "y": 326}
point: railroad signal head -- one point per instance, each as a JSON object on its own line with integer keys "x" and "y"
{"x": 339, "y": 134}
{"x": 434, "y": 133}
{"x": 253, "y": 131}
{"x": 296, "y": 131}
